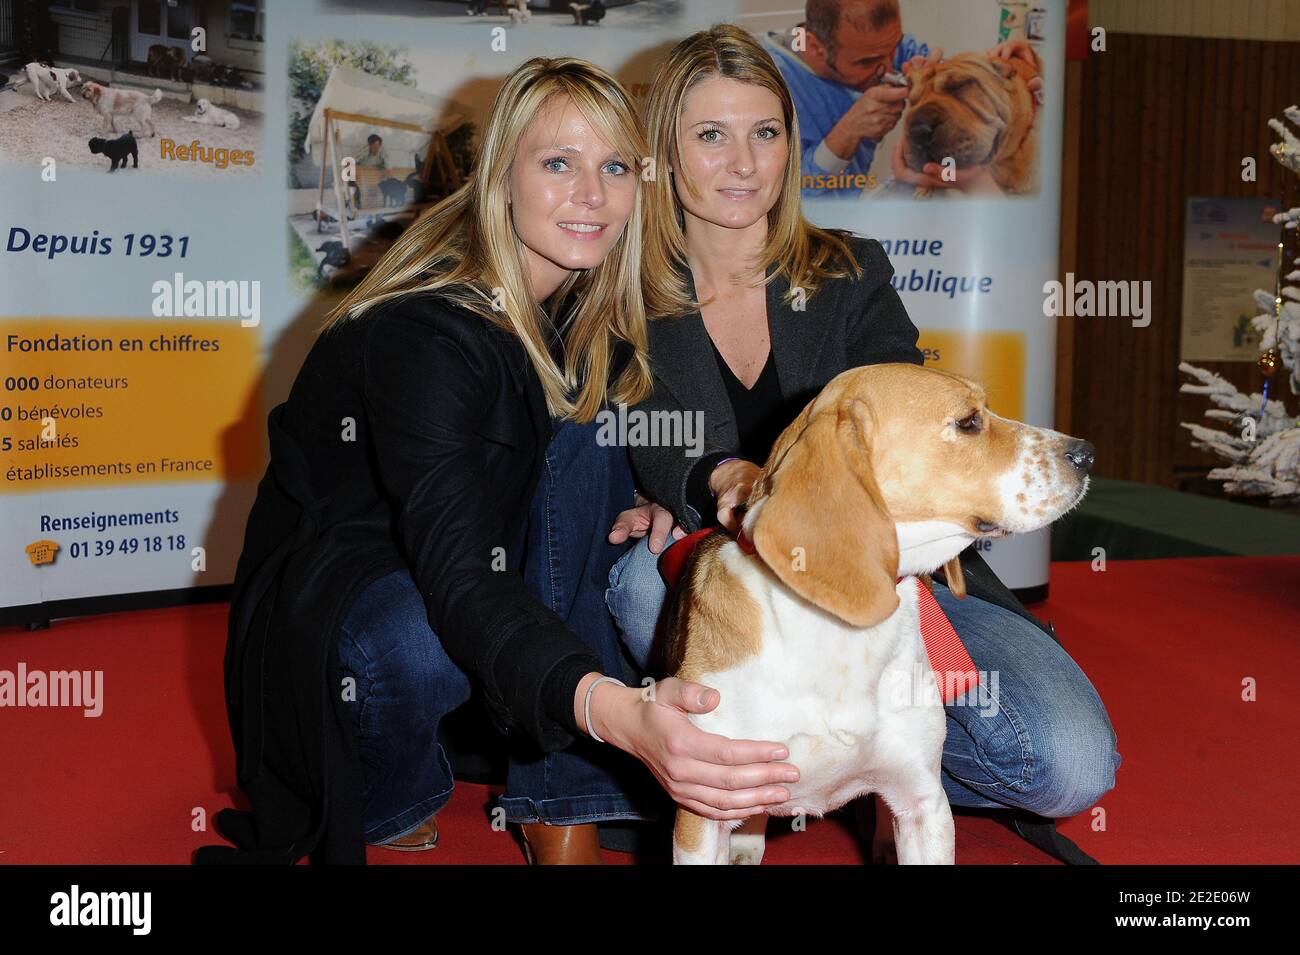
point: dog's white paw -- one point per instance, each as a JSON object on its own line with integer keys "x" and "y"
{"x": 747, "y": 847}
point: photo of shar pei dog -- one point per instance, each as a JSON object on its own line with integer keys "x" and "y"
{"x": 976, "y": 110}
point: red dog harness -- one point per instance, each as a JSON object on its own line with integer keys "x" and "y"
{"x": 954, "y": 670}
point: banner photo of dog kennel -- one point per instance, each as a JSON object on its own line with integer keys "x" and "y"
{"x": 146, "y": 85}
{"x": 432, "y": 429}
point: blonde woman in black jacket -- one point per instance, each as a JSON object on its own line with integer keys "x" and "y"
{"x": 434, "y": 518}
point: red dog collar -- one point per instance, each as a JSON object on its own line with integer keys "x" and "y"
{"x": 673, "y": 559}
{"x": 954, "y": 671}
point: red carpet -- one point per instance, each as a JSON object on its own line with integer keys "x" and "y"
{"x": 1206, "y": 777}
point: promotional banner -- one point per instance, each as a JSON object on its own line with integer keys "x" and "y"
{"x": 152, "y": 312}
{"x": 138, "y": 291}
{"x": 1229, "y": 250}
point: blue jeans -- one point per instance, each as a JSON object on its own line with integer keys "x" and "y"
{"x": 406, "y": 683}
{"x": 1037, "y": 739}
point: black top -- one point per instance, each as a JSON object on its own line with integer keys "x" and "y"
{"x": 757, "y": 409}
{"x": 761, "y": 414}
{"x": 448, "y": 430}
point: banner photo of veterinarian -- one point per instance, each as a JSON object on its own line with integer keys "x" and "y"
{"x": 955, "y": 168}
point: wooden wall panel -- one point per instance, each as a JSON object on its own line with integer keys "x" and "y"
{"x": 1161, "y": 118}
{"x": 1241, "y": 19}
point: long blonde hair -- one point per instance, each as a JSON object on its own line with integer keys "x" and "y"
{"x": 806, "y": 254}
{"x": 467, "y": 248}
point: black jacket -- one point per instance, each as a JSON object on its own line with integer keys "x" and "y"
{"x": 412, "y": 437}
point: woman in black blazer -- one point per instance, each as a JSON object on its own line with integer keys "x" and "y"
{"x": 786, "y": 307}
{"x": 434, "y": 515}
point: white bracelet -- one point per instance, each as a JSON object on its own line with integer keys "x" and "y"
{"x": 586, "y": 706}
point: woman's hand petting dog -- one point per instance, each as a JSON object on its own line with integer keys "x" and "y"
{"x": 646, "y": 517}
{"x": 711, "y": 775}
{"x": 731, "y": 483}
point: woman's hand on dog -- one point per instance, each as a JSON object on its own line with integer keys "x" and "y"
{"x": 645, "y": 518}
{"x": 731, "y": 483}
{"x": 711, "y": 775}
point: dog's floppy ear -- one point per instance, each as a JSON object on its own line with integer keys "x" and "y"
{"x": 820, "y": 522}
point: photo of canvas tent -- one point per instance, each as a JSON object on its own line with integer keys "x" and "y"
{"x": 410, "y": 165}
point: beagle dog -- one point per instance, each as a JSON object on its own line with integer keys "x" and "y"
{"x": 807, "y": 622}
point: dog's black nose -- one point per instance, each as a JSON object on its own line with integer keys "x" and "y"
{"x": 1082, "y": 455}
{"x": 921, "y": 126}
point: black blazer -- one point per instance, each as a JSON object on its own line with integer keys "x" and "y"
{"x": 448, "y": 425}
{"x": 847, "y": 323}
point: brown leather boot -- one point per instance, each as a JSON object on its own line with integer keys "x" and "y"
{"x": 425, "y": 836}
{"x": 561, "y": 845}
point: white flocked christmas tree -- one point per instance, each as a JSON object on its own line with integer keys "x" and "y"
{"x": 1262, "y": 441}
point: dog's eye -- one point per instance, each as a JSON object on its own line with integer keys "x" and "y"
{"x": 957, "y": 84}
{"x": 970, "y": 424}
